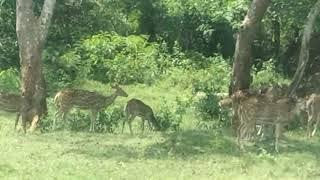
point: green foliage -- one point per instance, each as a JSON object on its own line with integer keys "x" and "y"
{"x": 9, "y": 56}
{"x": 268, "y": 76}
{"x": 107, "y": 121}
{"x": 112, "y": 58}
{"x": 210, "y": 82}
{"x": 169, "y": 117}
{"x": 10, "y": 81}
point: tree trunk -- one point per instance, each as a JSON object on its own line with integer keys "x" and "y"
{"x": 304, "y": 51}
{"x": 241, "y": 78}
{"x": 32, "y": 32}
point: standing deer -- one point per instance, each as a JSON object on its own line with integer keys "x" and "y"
{"x": 135, "y": 108}
{"x": 313, "y": 110}
{"x": 11, "y": 103}
{"x": 82, "y": 99}
{"x": 258, "y": 109}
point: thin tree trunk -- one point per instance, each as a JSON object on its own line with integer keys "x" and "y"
{"x": 241, "y": 78}
{"x": 32, "y": 32}
{"x": 304, "y": 51}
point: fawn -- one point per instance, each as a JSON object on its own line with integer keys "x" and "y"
{"x": 138, "y": 108}
{"x": 82, "y": 99}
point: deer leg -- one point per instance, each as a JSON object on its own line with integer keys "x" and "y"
{"x": 310, "y": 121}
{"x": 130, "y": 119}
{"x": 150, "y": 126}
{"x": 240, "y": 136}
{"x": 277, "y": 135}
{"x": 123, "y": 123}
{"x": 16, "y": 122}
{"x": 93, "y": 119}
{"x": 142, "y": 125}
{"x": 315, "y": 126}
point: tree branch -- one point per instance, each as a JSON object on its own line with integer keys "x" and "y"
{"x": 304, "y": 51}
{"x": 45, "y": 19}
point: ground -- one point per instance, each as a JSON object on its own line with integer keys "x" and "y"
{"x": 188, "y": 154}
{"x": 191, "y": 153}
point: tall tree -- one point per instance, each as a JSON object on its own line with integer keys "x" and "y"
{"x": 304, "y": 51}
{"x": 241, "y": 78}
{"x": 32, "y": 32}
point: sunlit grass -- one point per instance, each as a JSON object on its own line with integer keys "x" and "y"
{"x": 191, "y": 153}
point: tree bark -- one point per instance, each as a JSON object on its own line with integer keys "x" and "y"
{"x": 241, "y": 78}
{"x": 32, "y": 32}
{"x": 304, "y": 51}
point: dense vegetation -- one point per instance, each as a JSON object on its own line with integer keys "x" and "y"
{"x": 175, "y": 55}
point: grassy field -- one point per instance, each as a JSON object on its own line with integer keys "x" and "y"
{"x": 188, "y": 154}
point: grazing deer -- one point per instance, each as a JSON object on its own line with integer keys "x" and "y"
{"x": 11, "y": 103}
{"x": 313, "y": 110}
{"x": 258, "y": 109}
{"x": 82, "y": 99}
{"x": 135, "y": 108}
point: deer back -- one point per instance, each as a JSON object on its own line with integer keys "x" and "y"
{"x": 10, "y": 102}
{"x": 138, "y": 108}
{"x": 82, "y": 99}
{"x": 262, "y": 109}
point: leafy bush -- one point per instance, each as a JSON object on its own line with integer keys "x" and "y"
{"x": 169, "y": 117}
{"x": 107, "y": 121}
{"x": 108, "y": 57}
{"x": 212, "y": 115}
{"x": 210, "y": 82}
{"x": 10, "y": 81}
{"x": 268, "y": 76}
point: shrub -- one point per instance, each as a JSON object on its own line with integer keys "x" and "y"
{"x": 107, "y": 121}
{"x": 268, "y": 76}
{"x": 169, "y": 117}
{"x": 108, "y": 57}
{"x": 10, "y": 81}
{"x": 210, "y": 82}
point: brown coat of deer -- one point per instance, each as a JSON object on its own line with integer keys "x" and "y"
{"x": 313, "y": 110}
{"x": 138, "y": 108}
{"x": 11, "y": 103}
{"x": 82, "y": 99}
{"x": 255, "y": 109}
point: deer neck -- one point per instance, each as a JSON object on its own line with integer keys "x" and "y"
{"x": 110, "y": 99}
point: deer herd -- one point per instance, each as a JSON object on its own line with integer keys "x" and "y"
{"x": 267, "y": 107}
{"x": 94, "y": 102}
{"x": 271, "y": 107}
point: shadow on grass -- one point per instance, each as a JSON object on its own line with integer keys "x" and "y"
{"x": 183, "y": 145}
{"x": 189, "y": 143}
{"x": 303, "y": 146}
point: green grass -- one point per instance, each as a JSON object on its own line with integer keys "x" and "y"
{"x": 191, "y": 153}
{"x": 188, "y": 154}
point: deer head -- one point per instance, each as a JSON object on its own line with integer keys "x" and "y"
{"x": 119, "y": 91}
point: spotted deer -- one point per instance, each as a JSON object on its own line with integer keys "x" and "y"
{"x": 136, "y": 107}
{"x": 11, "y": 103}
{"x": 259, "y": 109}
{"x": 313, "y": 111}
{"x": 86, "y": 100}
